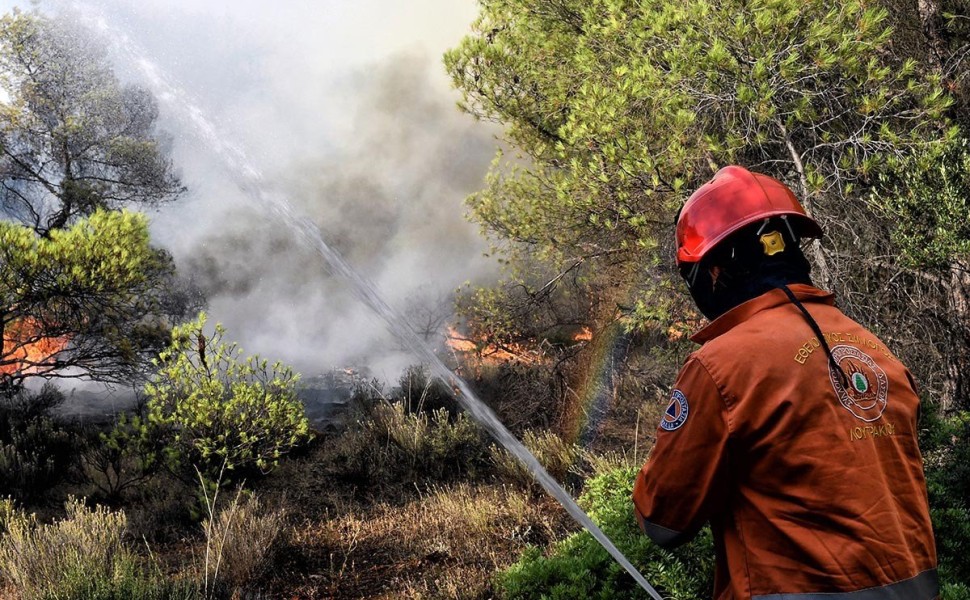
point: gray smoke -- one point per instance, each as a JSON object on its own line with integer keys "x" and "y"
{"x": 390, "y": 202}
{"x": 345, "y": 107}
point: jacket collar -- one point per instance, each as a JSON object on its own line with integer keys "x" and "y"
{"x": 746, "y": 310}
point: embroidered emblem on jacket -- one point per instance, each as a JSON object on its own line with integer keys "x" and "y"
{"x": 868, "y": 389}
{"x": 676, "y": 413}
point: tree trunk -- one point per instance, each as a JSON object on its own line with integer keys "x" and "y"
{"x": 929, "y": 15}
{"x": 957, "y": 390}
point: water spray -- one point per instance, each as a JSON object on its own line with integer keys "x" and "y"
{"x": 254, "y": 185}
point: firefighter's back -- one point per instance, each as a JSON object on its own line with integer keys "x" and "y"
{"x": 827, "y": 494}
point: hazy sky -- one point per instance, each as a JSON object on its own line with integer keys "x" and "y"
{"x": 345, "y": 106}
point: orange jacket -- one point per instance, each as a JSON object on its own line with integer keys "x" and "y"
{"x": 813, "y": 490}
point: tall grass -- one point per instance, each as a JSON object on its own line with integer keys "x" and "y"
{"x": 556, "y": 455}
{"x": 390, "y": 444}
{"x": 80, "y": 557}
{"x": 241, "y": 540}
{"x": 431, "y": 443}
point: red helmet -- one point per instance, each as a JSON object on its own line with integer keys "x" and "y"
{"x": 735, "y": 197}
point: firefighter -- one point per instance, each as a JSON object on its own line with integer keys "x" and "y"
{"x": 792, "y": 430}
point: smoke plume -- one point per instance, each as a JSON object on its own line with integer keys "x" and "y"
{"x": 346, "y": 109}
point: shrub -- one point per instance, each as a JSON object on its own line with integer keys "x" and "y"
{"x": 122, "y": 458}
{"x": 36, "y": 451}
{"x": 432, "y": 445}
{"x": 388, "y": 444}
{"x": 241, "y": 540}
{"x": 82, "y": 556}
{"x": 552, "y": 452}
{"x": 421, "y": 392}
{"x": 8, "y": 512}
{"x": 161, "y": 509}
{"x": 215, "y": 409}
{"x": 946, "y": 446}
{"x": 954, "y": 591}
{"x": 524, "y": 396}
{"x": 578, "y": 567}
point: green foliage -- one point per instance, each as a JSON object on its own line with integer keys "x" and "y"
{"x": 954, "y": 591}
{"x": 213, "y": 409}
{"x": 946, "y": 446}
{"x": 74, "y": 139}
{"x": 122, "y": 457}
{"x": 80, "y": 557}
{"x": 621, "y": 107}
{"x": 578, "y": 567}
{"x": 107, "y": 252}
{"x": 82, "y": 297}
{"x": 928, "y": 202}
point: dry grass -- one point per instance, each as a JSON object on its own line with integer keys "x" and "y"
{"x": 446, "y": 544}
{"x": 391, "y": 447}
{"x": 39, "y": 558}
{"x": 557, "y": 456}
{"x": 241, "y": 542}
{"x": 430, "y": 443}
{"x": 596, "y": 464}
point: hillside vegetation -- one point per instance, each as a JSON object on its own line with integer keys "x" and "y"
{"x": 612, "y": 111}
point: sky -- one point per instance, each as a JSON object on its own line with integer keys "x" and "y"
{"x": 345, "y": 107}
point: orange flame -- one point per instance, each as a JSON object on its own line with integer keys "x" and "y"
{"x": 490, "y": 353}
{"x": 584, "y": 335}
{"x": 681, "y": 329}
{"x": 458, "y": 342}
{"x": 26, "y": 349}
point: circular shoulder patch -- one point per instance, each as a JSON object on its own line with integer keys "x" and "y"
{"x": 676, "y": 413}
{"x": 866, "y": 396}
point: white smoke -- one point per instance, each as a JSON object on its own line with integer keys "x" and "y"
{"x": 346, "y": 108}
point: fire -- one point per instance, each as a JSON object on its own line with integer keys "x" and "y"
{"x": 459, "y": 343}
{"x": 26, "y": 349}
{"x": 584, "y": 335}
{"x": 681, "y": 329}
{"x": 490, "y": 353}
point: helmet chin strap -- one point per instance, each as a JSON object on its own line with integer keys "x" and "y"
{"x": 791, "y": 230}
{"x": 692, "y": 276}
{"x": 758, "y": 259}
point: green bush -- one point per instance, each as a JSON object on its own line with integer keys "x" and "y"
{"x": 80, "y": 557}
{"x": 578, "y": 567}
{"x": 946, "y": 447}
{"x": 212, "y": 409}
{"x": 122, "y": 458}
{"x": 955, "y": 591}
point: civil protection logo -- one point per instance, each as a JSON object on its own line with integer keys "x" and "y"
{"x": 868, "y": 389}
{"x": 676, "y": 413}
